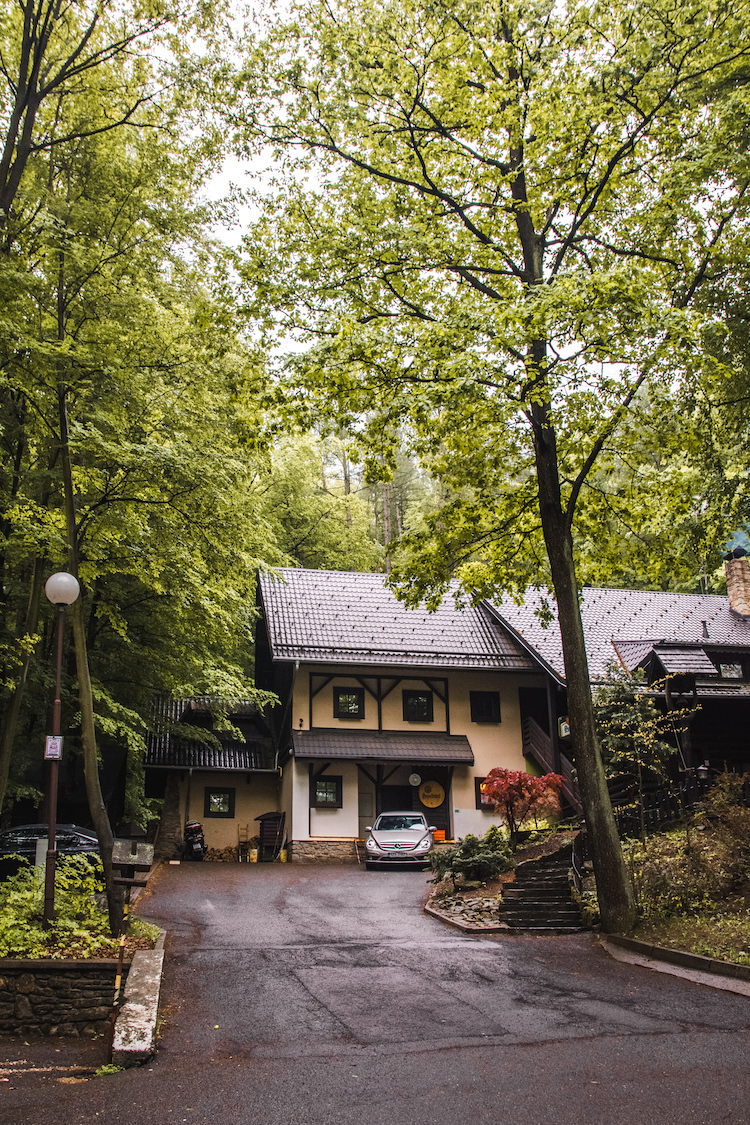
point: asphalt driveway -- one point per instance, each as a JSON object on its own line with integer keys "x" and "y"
{"x": 322, "y": 995}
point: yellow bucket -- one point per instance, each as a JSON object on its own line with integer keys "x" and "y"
{"x": 253, "y": 855}
{"x": 282, "y": 855}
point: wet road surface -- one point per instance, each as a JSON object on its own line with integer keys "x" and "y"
{"x": 301, "y": 995}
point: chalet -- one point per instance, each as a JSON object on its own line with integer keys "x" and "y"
{"x": 384, "y": 707}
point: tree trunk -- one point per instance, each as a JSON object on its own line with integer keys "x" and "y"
{"x": 613, "y": 885}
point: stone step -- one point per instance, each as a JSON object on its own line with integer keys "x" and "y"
{"x": 546, "y": 931}
{"x": 553, "y": 894}
{"x": 538, "y": 901}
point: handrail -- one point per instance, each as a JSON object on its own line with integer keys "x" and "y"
{"x": 577, "y": 858}
{"x": 538, "y": 743}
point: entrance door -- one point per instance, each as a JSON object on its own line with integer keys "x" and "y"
{"x": 395, "y": 798}
{"x": 434, "y": 778}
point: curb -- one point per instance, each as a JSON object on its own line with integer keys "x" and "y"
{"x": 135, "y": 1030}
{"x": 466, "y": 927}
{"x": 679, "y": 957}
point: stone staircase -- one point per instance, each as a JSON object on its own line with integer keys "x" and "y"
{"x": 539, "y": 901}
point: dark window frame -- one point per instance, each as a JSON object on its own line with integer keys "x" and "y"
{"x": 212, "y": 790}
{"x": 485, "y": 706}
{"x": 338, "y": 780}
{"x": 481, "y": 801}
{"x": 408, "y": 695}
{"x": 360, "y": 694}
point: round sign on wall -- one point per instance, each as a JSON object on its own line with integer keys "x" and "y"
{"x": 431, "y": 794}
{"x": 415, "y": 779}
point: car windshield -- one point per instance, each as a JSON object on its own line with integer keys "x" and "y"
{"x": 389, "y": 822}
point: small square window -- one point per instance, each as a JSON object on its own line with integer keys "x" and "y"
{"x": 327, "y": 792}
{"x": 218, "y": 802}
{"x": 482, "y": 801}
{"x": 731, "y": 671}
{"x": 485, "y": 706}
{"x": 349, "y": 703}
{"x": 418, "y": 706}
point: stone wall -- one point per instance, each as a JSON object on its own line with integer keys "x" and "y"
{"x": 56, "y": 997}
{"x": 323, "y": 851}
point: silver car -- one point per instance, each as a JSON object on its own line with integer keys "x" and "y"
{"x": 402, "y": 838}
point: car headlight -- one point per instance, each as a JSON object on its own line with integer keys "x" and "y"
{"x": 371, "y": 844}
{"x": 423, "y": 845}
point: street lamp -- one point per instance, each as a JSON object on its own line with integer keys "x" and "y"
{"x": 62, "y": 589}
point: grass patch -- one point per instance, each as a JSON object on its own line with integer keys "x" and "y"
{"x": 725, "y": 937}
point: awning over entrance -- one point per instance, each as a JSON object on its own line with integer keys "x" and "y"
{"x": 384, "y": 746}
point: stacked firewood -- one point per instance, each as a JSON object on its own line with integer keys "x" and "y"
{"x": 229, "y": 854}
{"x": 221, "y": 855}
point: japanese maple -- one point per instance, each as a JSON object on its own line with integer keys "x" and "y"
{"x": 518, "y": 795}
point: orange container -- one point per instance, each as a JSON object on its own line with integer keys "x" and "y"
{"x": 439, "y": 836}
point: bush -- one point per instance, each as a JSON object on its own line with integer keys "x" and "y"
{"x": 689, "y": 869}
{"x": 474, "y": 858}
{"x": 80, "y": 927}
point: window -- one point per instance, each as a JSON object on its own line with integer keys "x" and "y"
{"x": 731, "y": 671}
{"x": 218, "y": 802}
{"x": 482, "y": 801}
{"x": 418, "y": 706}
{"x": 326, "y": 792}
{"x": 485, "y": 706}
{"x": 349, "y": 703}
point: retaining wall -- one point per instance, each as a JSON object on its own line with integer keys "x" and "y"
{"x": 323, "y": 851}
{"x": 56, "y": 997}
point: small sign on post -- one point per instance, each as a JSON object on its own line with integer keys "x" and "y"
{"x": 53, "y": 748}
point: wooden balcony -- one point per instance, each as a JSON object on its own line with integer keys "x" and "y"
{"x": 537, "y": 744}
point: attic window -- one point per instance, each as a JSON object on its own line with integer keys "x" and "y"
{"x": 731, "y": 671}
{"x": 349, "y": 703}
{"x": 417, "y": 706}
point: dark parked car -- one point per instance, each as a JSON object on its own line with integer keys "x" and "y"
{"x": 21, "y": 840}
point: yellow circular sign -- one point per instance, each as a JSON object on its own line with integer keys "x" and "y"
{"x": 431, "y": 794}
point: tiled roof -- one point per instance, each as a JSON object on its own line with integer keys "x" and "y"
{"x": 612, "y": 618}
{"x": 383, "y": 746}
{"x": 345, "y": 618}
{"x": 167, "y": 748}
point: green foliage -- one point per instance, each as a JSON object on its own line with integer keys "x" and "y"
{"x": 473, "y": 857}
{"x": 691, "y": 868}
{"x": 630, "y": 726}
{"x": 80, "y": 927}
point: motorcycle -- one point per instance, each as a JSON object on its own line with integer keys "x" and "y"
{"x": 194, "y": 846}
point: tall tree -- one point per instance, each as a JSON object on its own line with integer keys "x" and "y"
{"x": 497, "y": 220}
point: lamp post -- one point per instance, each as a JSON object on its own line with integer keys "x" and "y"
{"x": 61, "y": 589}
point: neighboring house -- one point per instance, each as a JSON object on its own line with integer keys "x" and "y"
{"x": 223, "y": 777}
{"x": 384, "y": 707}
{"x": 695, "y": 649}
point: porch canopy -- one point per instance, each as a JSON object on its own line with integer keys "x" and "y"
{"x": 384, "y": 746}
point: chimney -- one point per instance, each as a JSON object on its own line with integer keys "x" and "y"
{"x": 738, "y": 585}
